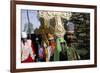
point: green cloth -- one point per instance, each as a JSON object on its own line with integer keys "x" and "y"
{"x": 58, "y": 48}
{"x": 72, "y": 54}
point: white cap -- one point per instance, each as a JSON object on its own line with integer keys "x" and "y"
{"x": 24, "y": 35}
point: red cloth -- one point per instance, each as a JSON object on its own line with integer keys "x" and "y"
{"x": 29, "y": 59}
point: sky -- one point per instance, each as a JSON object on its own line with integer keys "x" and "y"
{"x": 33, "y": 17}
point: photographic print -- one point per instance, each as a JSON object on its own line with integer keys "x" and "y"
{"x": 49, "y": 35}
{"x": 54, "y": 36}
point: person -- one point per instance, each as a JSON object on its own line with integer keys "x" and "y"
{"x": 51, "y": 47}
{"x": 63, "y": 53}
{"x": 71, "y": 51}
{"x": 36, "y": 42}
{"x": 27, "y": 53}
{"x": 41, "y": 53}
{"x": 58, "y": 48}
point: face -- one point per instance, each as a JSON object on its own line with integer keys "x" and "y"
{"x": 52, "y": 42}
{"x": 70, "y": 36}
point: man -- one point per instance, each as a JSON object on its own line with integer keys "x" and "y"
{"x": 71, "y": 51}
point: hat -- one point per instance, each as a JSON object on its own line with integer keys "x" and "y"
{"x": 70, "y": 27}
{"x": 50, "y": 36}
{"x": 24, "y": 35}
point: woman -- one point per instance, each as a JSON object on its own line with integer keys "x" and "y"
{"x": 51, "y": 47}
{"x": 27, "y": 53}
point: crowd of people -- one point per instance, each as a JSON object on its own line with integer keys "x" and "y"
{"x": 58, "y": 48}
{"x": 52, "y": 41}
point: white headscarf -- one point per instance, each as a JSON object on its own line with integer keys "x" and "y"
{"x": 24, "y": 35}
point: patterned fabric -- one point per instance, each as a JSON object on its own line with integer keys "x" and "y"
{"x": 49, "y": 52}
{"x": 41, "y": 53}
{"x": 58, "y": 48}
{"x": 72, "y": 54}
{"x": 27, "y": 51}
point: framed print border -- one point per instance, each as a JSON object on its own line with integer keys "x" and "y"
{"x": 13, "y": 35}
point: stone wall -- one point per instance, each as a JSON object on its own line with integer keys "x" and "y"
{"x": 82, "y": 33}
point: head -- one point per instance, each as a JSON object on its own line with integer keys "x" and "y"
{"x": 24, "y": 37}
{"x": 50, "y": 36}
{"x": 70, "y": 32}
{"x": 69, "y": 36}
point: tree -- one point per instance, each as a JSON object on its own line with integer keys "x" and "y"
{"x": 28, "y": 27}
